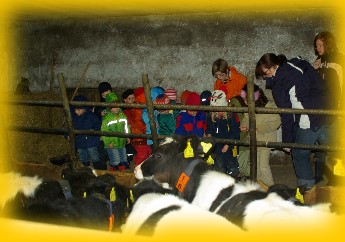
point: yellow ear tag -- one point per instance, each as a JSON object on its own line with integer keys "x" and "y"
{"x": 112, "y": 197}
{"x": 206, "y": 146}
{"x": 210, "y": 160}
{"x": 188, "y": 152}
{"x": 234, "y": 151}
{"x": 299, "y": 196}
{"x": 84, "y": 195}
{"x": 131, "y": 196}
{"x": 338, "y": 168}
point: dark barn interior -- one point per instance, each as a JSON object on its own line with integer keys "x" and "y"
{"x": 175, "y": 50}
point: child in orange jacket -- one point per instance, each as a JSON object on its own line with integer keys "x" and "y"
{"x": 228, "y": 80}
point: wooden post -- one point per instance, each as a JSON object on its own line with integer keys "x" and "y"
{"x": 76, "y": 88}
{"x": 150, "y": 110}
{"x": 68, "y": 116}
{"x": 252, "y": 130}
{"x": 80, "y": 81}
{"x": 51, "y": 88}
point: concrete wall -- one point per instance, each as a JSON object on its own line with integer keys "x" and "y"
{"x": 175, "y": 50}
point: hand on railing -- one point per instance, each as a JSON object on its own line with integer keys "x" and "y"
{"x": 287, "y": 150}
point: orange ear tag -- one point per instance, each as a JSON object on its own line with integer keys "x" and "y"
{"x": 111, "y": 222}
{"x": 182, "y": 182}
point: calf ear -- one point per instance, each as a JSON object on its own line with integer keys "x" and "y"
{"x": 187, "y": 141}
{"x": 207, "y": 144}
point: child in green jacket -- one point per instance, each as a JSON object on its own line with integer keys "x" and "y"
{"x": 115, "y": 121}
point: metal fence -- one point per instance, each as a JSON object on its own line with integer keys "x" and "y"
{"x": 251, "y": 110}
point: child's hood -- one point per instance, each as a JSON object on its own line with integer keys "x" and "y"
{"x": 155, "y": 91}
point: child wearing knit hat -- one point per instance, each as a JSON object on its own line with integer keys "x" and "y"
{"x": 104, "y": 88}
{"x": 184, "y": 96}
{"x": 172, "y": 94}
{"x": 224, "y": 125}
{"x": 84, "y": 119}
{"x": 191, "y": 121}
{"x": 115, "y": 121}
{"x": 205, "y": 97}
{"x": 166, "y": 119}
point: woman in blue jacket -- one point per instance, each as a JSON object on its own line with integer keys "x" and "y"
{"x": 296, "y": 84}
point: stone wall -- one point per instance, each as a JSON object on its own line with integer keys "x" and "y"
{"x": 175, "y": 50}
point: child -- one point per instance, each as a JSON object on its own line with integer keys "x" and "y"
{"x": 166, "y": 118}
{"x": 224, "y": 125}
{"x": 172, "y": 94}
{"x": 143, "y": 151}
{"x": 100, "y": 112}
{"x": 84, "y": 119}
{"x": 184, "y": 96}
{"x": 191, "y": 122}
{"x": 104, "y": 88}
{"x": 266, "y": 130}
{"x": 205, "y": 97}
{"x": 128, "y": 97}
{"x": 116, "y": 121}
{"x": 228, "y": 78}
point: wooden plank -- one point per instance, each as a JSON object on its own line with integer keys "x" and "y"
{"x": 48, "y": 171}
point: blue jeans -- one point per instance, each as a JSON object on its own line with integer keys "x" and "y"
{"x": 116, "y": 156}
{"x": 301, "y": 157}
{"x": 87, "y": 154}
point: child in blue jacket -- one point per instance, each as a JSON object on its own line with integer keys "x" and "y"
{"x": 191, "y": 121}
{"x": 87, "y": 145}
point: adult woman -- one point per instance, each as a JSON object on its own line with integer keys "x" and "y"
{"x": 329, "y": 63}
{"x": 296, "y": 84}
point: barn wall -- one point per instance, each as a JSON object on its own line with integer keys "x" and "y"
{"x": 175, "y": 50}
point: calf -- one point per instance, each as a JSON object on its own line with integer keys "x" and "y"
{"x": 91, "y": 212}
{"x": 157, "y": 212}
{"x": 180, "y": 163}
{"x": 150, "y": 185}
{"x": 27, "y": 196}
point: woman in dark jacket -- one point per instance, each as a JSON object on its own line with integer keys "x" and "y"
{"x": 296, "y": 84}
{"x": 330, "y": 64}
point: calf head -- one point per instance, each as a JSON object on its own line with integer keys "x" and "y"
{"x": 150, "y": 185}
{"x": 173, "y": 156}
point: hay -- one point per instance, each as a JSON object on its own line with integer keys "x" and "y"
{"x": 36, "y": 147}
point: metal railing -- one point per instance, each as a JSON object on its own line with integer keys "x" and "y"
{"x": 251, "y": 110}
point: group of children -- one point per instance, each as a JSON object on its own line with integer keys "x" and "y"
{"x": 97, "y": 149}
{"x": 119, "y": 151}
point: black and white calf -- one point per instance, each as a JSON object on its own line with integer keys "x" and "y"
{"x": 83, "y": 200}
{"x": 180, "y": 163}
{"x": 157, "y": 212}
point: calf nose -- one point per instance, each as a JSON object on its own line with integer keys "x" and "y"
{"x": 138, "y": 172}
